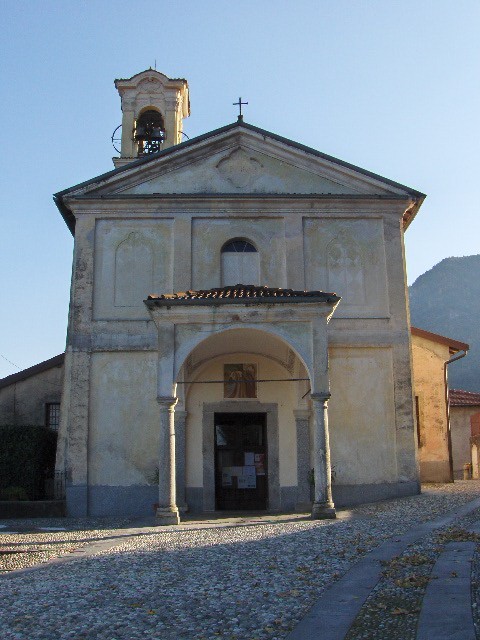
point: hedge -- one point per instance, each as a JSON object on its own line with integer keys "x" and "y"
{"x": 27, "y": 458}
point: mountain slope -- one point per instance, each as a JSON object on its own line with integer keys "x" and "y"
{"x": 446, "y": 300}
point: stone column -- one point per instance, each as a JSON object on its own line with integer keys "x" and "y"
{"x": 167, "y": 512}
{"x": 303, "y": 501}
{"x": 323, "y": 506}
{"x": 180, "y": 462}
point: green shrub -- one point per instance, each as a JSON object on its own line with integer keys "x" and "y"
{"x": 27, "y": 457}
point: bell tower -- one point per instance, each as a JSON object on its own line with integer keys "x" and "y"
{"x": 153, "y": 108}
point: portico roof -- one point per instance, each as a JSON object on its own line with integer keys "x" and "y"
{"x": 240, "y": 294}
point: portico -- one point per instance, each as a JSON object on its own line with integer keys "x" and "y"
{"x": 297, "y": 319}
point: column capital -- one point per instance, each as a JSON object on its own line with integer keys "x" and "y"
{"x": 321, "y": 396}
{"x": 167, "y": 401}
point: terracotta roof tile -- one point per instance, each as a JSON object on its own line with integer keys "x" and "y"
{"x": 460, "y": 398}
{"x": 240, "y": 292}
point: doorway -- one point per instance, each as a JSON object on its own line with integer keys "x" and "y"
{"x": 241, "y": 466}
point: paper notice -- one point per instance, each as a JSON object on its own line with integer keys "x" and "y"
{"x": 247, "y": 482}
{"x": 249, "y": 459}
{"x": 226, "y": 477}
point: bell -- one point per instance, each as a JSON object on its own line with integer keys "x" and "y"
{"x": 140, "y": 133}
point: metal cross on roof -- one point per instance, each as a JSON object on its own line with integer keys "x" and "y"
{"x": 239, "y": 103}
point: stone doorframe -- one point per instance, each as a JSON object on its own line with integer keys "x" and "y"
{"x": 208, "y": 446}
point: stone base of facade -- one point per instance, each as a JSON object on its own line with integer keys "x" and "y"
{"x": 140, "y": 500}
{"x": 167, "y": 516}
{"x": 303, "y": 507}
{"x": 101, "y": 500}
{"x": 349, "y": 495}
{"x": 77, "y": 501}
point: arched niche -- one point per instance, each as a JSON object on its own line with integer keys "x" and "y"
{"x": 346, "y": 269}
{"x": 133, "y": 270}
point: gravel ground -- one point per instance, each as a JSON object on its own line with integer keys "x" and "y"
{"x": 42, "y": 539}
{"x": 251, "y": 582}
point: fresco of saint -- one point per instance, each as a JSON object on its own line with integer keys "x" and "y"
{"x": 240, "y": 380}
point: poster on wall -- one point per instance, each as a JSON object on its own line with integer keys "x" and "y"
{"x": 240, "y": 380}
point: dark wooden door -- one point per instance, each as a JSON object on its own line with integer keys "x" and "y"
{"x": 241, "y": 471}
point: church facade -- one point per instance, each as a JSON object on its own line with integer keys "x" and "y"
{"x": 238, "y": 331}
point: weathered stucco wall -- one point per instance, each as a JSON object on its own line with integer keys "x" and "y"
{"x": 460, "y": 426}
{"x": 429, "y": 387}
{"x": 362, "y": 416}
{"x": 133, "y": 258}
{"x": 123, "y": 436}
{"x": 24, "y": 402}
{"x": 210, "y": 234}
{"x": 348, "y": 256}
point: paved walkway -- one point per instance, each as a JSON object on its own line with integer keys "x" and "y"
{"x": 446, "y": 613}
{"x": 398, "y": 570}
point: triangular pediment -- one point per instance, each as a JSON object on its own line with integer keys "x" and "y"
{"x": 239, "y": 159}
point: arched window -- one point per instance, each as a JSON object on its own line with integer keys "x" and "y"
{"x": 240, "y": 263}
{"x": 149, "y": 132}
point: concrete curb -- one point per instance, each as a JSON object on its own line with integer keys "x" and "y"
{"x": 447, "y": 605}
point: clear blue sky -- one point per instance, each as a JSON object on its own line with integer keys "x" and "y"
{"x": 392, "y": 86}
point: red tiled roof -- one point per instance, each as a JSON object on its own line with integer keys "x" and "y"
{"x": 455, "y": 345}
{"x": 460, "y": 398}
{"x": 240, "y": 292}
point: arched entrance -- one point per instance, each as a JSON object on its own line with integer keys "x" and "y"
{"x": 244, "y": 397}
{"x": 218, "y": 341}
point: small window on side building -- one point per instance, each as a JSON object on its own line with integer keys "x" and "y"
{"x": 52, "y": 419}
{"x": 417, "y": 415}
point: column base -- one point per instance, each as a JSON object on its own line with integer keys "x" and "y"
{"x": 323, "y": 511}
{"x": 167, "y": 516}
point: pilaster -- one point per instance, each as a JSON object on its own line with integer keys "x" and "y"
{"x": 303, "y": 502}
{"x": 180, "y": 460}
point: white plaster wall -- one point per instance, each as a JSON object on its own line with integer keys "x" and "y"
{"x": 123, "y": 279}
{"x": 362, "y": 415}
{"x": 210, "y": 234}
{"x": 124, "y": 419}
{"x": 360, "y": 274}
{"x": 281, "y": 393}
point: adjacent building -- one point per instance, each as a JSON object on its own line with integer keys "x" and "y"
{"x": 432, "y": 354}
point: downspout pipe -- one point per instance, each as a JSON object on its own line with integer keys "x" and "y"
{"x": 447, "y": 404}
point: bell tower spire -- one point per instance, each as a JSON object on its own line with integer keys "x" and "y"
{"x": 153, "y": 108}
